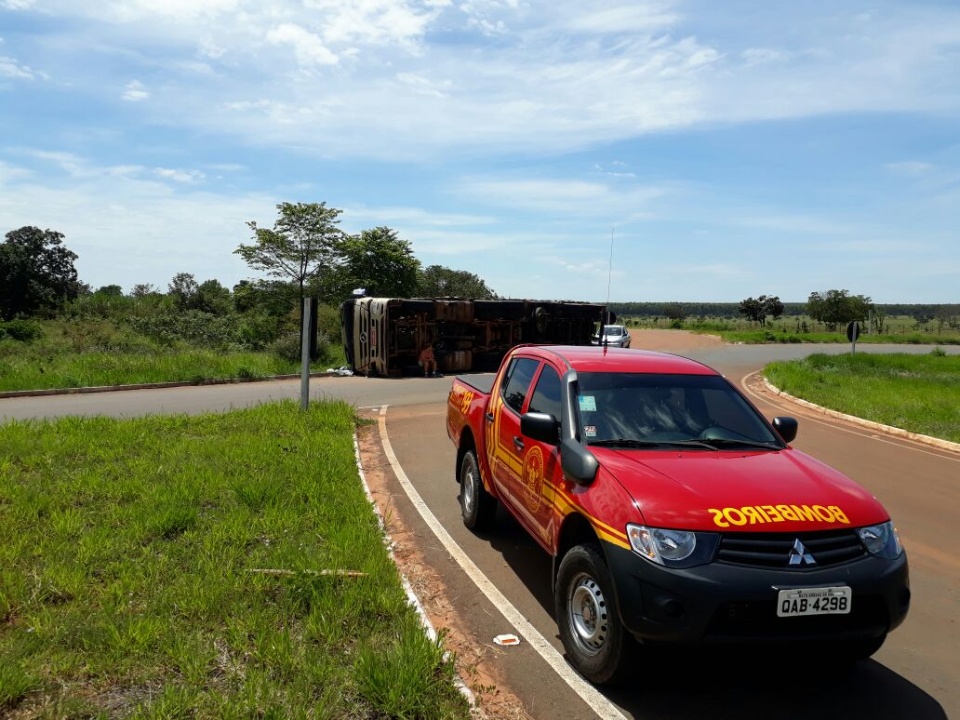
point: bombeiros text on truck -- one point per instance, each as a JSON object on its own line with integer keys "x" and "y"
{"x": 673, "y": 511}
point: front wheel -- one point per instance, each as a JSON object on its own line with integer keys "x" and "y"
{"x": 597, "y": 645}
{"x": 477, "y": 506}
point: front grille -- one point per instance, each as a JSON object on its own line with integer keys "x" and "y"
{"x": 772, "y": 550}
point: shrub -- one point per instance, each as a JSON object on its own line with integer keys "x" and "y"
{"x": 191, "y": 326}
{"x": 21, "y": 330}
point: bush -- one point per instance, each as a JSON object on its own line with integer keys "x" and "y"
{"x": 192, "y": 326}
{"x": 288, "y": 346}
{"x": 22, "y": 330}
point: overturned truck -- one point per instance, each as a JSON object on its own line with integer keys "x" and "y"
{"x": 384, "y": 336}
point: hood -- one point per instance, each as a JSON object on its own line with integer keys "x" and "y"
{"x": 781, "y": 491}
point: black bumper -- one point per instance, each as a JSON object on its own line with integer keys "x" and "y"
{"x": 722, "y": 602}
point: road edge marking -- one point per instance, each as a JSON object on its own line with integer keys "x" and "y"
{"x": 589, "y": 694}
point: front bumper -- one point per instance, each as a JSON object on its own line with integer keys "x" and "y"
{"x": 723, "y": 602}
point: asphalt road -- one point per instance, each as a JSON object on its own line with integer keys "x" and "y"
{"x": 915, "y": 675}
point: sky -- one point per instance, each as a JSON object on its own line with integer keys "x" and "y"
{"x": 622, "y": 150}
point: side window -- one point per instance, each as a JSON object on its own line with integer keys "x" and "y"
{"x": 517, "y": 382}
{"x": 546, "y": 395}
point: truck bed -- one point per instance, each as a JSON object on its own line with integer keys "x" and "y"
{"x": 481, "y": 383}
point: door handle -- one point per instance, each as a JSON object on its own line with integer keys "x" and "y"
{"x": 489, "y": 417}
{"x": 518, "y": 442}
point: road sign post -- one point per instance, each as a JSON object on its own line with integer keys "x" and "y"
{"x": 305, "y": 355}
{"x": 853, "y": 332}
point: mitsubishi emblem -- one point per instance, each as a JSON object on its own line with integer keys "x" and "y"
{"x": 799, "y": 555}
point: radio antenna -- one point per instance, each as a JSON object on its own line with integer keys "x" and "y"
{"x": 609, "y": 277}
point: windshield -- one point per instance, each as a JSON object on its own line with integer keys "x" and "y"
{"x": 657, "y": 410}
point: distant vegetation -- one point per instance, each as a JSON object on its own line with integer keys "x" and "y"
{"x": 58, "y": 332}
{"x": 823, "y": 318}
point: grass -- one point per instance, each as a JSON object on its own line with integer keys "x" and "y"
{"x": 131, "y": 583}
{"x": 31, "y": 371}
{"x": 919, "y": 393}
{"x": 802, "y": 329}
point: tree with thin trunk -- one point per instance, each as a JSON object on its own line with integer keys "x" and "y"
{"x": 303, "y": 243}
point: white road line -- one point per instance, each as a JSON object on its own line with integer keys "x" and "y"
{"x": 589, "y": 694}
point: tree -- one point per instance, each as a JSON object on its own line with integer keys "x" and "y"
{"x": 440, "y": 281}
{"x": 213, "y": 298}
{"x": 183, "y": 289}
{"x": 752, "y": 309}
{"x": 142, "y": 290}
{"x": 377, "y": 261}
{"x": 271, "y": 297}
{"x": 757, "y": 309}
{"x": 110, "y": 291}
{"x": 36, "y": 272}
{"x": 302, "y": 243}
{"x": 837, "y": 307}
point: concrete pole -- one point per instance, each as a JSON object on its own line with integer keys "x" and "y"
{"x": 305, "y": 356}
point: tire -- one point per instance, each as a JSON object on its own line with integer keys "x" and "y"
{"x": 477, "y": 506}
{"x": 596, "y": 643}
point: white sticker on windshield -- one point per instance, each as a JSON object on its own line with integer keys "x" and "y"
{"x": 588, "y": 403}
{"x": 590, "y": 431}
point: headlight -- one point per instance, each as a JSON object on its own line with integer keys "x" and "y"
{"x": 881, "y": 540}
{"x": 661, "y": 546}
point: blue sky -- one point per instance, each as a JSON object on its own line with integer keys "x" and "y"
{"x": 729, "y": 149}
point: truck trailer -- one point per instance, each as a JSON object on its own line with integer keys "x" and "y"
{"x": 384, "y": 336}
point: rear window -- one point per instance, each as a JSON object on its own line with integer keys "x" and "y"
{"x": 517, "y": 383}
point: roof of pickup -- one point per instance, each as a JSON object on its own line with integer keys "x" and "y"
{"x": 586, "y": 358}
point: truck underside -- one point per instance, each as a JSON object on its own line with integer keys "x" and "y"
{"x": 384, "y": 336}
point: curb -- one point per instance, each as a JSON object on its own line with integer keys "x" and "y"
{"x": 869, "y": 424}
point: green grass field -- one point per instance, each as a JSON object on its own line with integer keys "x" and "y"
{"x": 919, "y": 393}
{"x": 172, "y": 567}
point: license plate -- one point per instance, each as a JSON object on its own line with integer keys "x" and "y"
{"x": 814, "y": 601}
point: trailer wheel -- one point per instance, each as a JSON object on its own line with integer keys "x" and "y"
{"x": 477, "y": 506}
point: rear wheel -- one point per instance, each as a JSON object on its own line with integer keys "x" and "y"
{"x": 477, "y": 506}
{"x": 597, "y": 645}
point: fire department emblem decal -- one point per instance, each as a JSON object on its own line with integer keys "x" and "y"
{"x": 533, "y": 478}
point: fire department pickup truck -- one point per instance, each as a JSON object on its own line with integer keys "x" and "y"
{"x": 673, "y": 510}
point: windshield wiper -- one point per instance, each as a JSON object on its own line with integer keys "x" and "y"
{"x": 623, "y": 442}
{"x": 733, "y": 442}
{"x": 628, "y": 443}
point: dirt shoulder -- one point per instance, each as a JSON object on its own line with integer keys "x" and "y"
{"x": 672, "y": 340}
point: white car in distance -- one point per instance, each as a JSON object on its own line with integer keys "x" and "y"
{"x": 613, "y": 336}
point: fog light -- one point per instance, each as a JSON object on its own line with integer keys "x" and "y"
{"x": 673, "y": 609}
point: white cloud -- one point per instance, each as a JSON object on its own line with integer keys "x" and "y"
{"x": 135, "y": 91}
{"x": 910, "y": 168}
{"x": 612, "y": 201}
{"x": 180, "y": 176}
{"x": 10, "y": 68}
{"x": 763, "y": 56}
{"x": 308, "y": 48}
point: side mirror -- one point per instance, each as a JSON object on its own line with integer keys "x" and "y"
{"x": 786, "y": 427}
{"x": 540, "y": 426}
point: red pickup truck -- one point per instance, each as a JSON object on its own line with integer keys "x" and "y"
{"x": 673, "y": 510}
